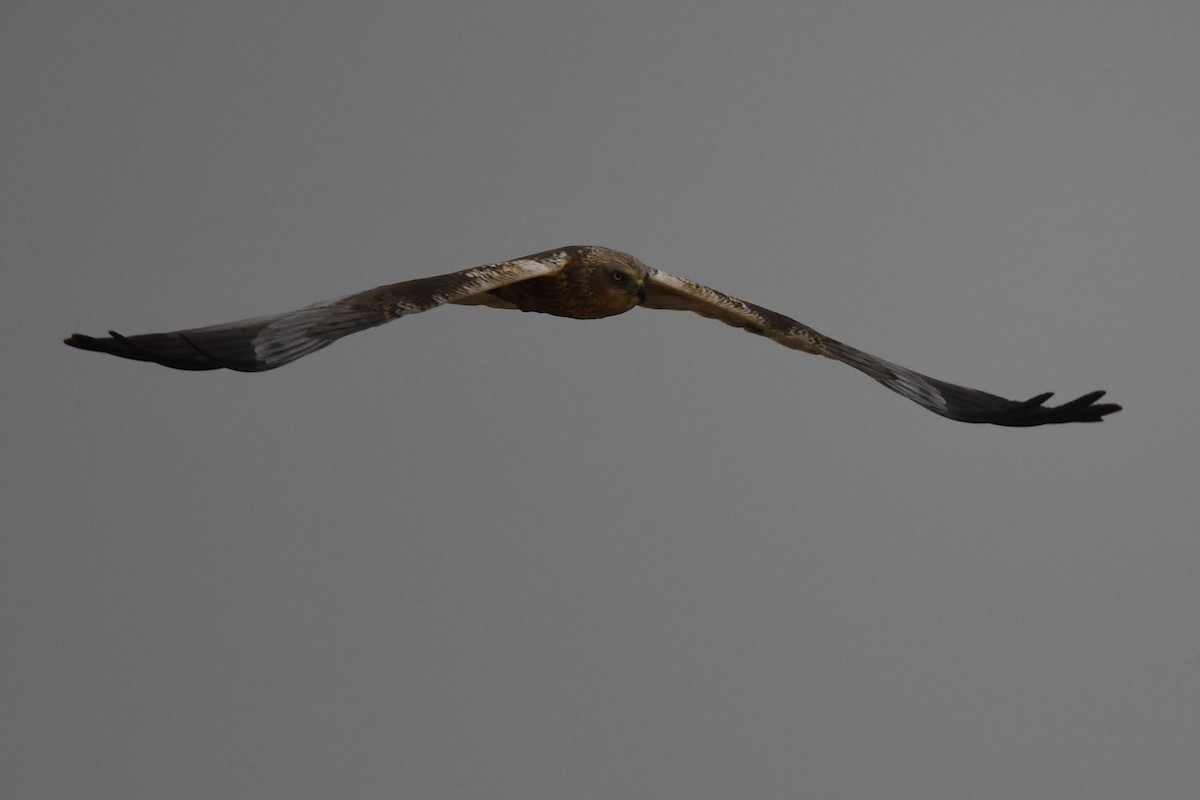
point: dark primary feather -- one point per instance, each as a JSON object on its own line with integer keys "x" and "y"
{"x": 966, "y": 404}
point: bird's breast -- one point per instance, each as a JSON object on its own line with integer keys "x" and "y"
{"x": 563, "y": 297}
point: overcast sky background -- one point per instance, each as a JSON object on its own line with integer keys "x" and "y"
{"x": 486, "y": 554}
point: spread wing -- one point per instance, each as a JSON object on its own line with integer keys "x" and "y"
{"x": 262, "y": 343}
{"x": 956, "y": 402}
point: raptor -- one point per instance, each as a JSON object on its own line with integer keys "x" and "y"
{"x": 578, "y": 282}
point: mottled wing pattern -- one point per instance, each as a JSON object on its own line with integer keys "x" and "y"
{"x": 947, "y": 399}
{"x": 262, "y": 343}
{"x": 680, "y": 294}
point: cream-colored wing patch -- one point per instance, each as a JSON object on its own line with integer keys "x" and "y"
{"x": 680, "y": 294}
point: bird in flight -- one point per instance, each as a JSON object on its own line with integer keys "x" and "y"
{"x": 579, "y": 282}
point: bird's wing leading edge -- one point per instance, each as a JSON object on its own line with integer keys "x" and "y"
{"x": 262, "y": 343}
{"x": 947, "y": 399}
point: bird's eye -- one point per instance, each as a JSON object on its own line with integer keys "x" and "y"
{"x": 617, "y": 276}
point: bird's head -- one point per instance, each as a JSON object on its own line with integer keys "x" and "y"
{"x": 617, "y": 278}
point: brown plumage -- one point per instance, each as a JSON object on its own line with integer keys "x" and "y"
{"x": 579, "y": 282}
{"x": 594, "y": 283}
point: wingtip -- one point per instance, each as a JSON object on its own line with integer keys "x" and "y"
{"x": 81, "y": 341}
{"x": 1103, "y": 409}
{"x": 1085, "y": 408}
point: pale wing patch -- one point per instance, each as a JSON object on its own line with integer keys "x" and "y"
{"x": 680, "y": 294}
{"x": 901, "y": 380}
{"x": 478, "y": 280}
{"x": 297, "y": 333}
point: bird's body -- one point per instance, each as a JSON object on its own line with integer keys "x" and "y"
{"x": 584, "y": 289}
{"x": 578, "y": 282}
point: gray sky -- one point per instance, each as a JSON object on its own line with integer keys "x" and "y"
{"x": 486, "y": 554}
